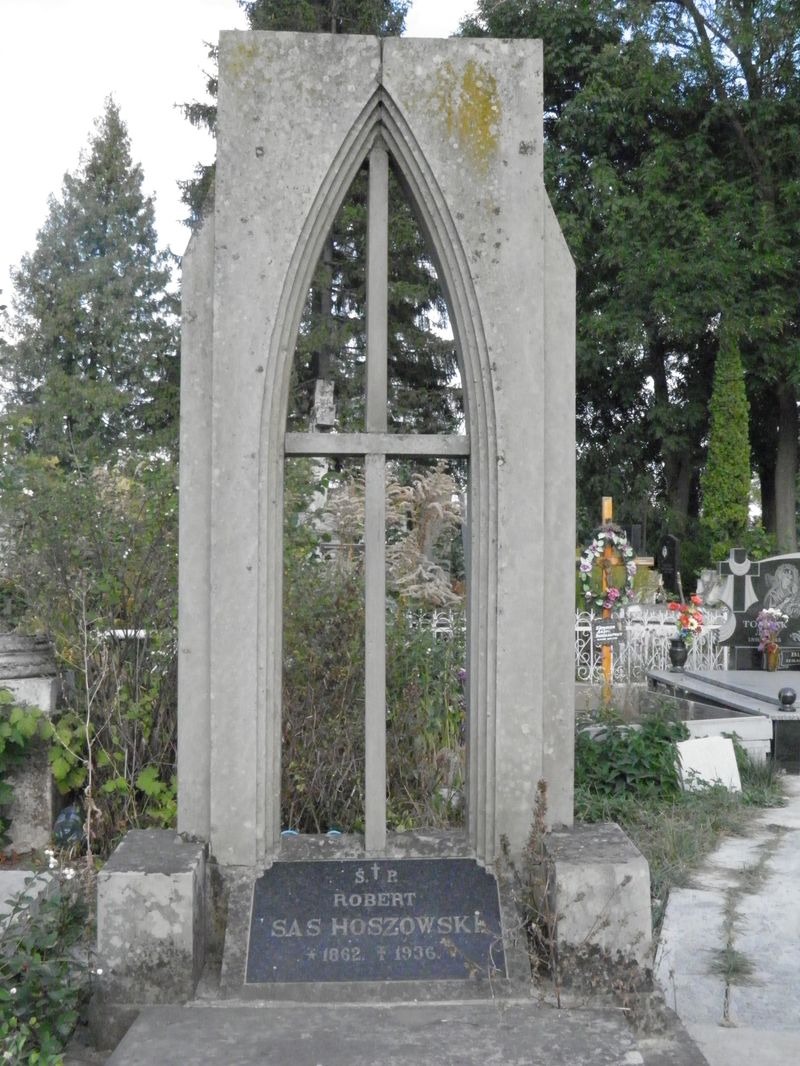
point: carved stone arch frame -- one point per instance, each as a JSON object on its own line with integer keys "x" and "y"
{"x": 297, "y": 114}
{"x": 382, "y": 118}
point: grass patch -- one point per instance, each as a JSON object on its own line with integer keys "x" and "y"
{"x": 674, "y": 830}
{"x": 732, "y": 965}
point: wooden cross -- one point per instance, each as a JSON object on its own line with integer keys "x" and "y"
{"x": 610, "y": 560}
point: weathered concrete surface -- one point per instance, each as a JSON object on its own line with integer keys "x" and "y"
{"x": 746, "y": 899}
{"x": 599, "y": 891}
{"x": 22, "y": 656}
{"x": 36, "y": 801}
{"x": 515, "y": 1034}
{"x": 463, "y": 121}
{"x": 151, "y": 918}
{"x": 13, "y": 883}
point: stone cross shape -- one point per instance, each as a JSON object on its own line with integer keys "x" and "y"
{"x": 375, "y": 445}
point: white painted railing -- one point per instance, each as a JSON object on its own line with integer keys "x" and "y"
{"x": 647, "y": 632}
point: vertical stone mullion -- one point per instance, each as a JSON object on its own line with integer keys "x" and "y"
{"x": 375, "y": 502}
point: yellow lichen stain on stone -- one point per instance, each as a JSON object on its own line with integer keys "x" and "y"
{"x": 470, "y": 106}
{"x": 241, "y": 58}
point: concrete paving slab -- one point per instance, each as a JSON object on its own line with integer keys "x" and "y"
{"x": 692, "y": 930}
{"x": 737, "y": 853}
{"x": 746, "y": 1047}
{"x": 788, "y": 816}
{"x": 768, "y": 935}
{"x": 505, "y": 1034}
{"x": 758, "y": 1022}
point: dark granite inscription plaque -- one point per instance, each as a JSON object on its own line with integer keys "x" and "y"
{"x": 375, "y": 920}
{"x": 606, "y": 631}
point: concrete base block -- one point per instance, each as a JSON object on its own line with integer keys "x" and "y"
{"x": 151, "y": 921}
{"x": 36, "y": 801}
{"x": 599, "y": 892}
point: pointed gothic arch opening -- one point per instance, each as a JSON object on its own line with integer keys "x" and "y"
{"x": 396, "y": 385}
{"x": 381, "y": 129}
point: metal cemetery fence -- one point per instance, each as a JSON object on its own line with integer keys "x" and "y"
{"x": 647, "y": 631}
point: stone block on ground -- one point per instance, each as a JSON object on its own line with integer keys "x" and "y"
{"x": 36, "y": 801}
{"x": 598, "y": 891}
{"x": 151, "y": 918}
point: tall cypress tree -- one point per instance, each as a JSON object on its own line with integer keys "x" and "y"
{"x": 726, "y": 479}
{"x": 94, "y": 369}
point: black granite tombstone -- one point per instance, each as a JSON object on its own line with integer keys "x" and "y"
{"x": 669, "y": 561}
{"x": 375, "y": 920}
{"x": 751, "y": 585}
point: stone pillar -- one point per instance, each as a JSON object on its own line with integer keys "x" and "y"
{"x": 28, "y": 671}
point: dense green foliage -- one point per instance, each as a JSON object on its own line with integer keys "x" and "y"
{"x": 332, "y": 340}
{"x": 671, "y": 158}
{"x": 42, "y": 980}
{"x": 88, "y": 504}
{"x": 323, "y": 693}
{"x": 382, "y": 18}
{"x": 94, "y": 369}
{"x": 623, "y": 760}
{"x": 726, "y": 478}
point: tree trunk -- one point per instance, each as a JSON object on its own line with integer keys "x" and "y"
{"x": 786, "y": 470}
{"x": 766, "y": 475}
{"x": 679, "y": 489}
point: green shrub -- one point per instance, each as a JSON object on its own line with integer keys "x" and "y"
{"x": 323, "y": 640}
{"x": 91, "y": 558}
{"x": 42, "y": 981}
{"x": 625, "y": 761}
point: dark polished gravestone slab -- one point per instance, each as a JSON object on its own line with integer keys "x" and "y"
{"x": 375, "y": 920}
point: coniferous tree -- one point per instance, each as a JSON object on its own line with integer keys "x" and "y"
{"x": 88, "y": 508}
{"x": 94, "y": 369}
{"x": 726, "y": 478}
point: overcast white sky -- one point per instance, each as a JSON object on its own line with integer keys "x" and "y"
{"x": 60, "y": 59}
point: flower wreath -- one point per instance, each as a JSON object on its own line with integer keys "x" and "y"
{"x": 607, "y": 536}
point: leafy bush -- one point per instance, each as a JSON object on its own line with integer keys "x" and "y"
{"x": 323, "y": 708}
{"x": 625, "y": 761}
{"x": 42, "y": 983}
{"x": 91, "y": 560}
{"x": 323, "y": 691}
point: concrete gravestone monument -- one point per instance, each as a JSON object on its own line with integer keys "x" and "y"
{"x": 461, "y": 122}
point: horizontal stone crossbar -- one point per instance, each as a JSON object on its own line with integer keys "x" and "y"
{"x": 423, "y": 444}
